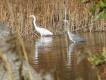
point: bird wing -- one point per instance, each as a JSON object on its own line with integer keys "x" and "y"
{"x": 78, "y": 38}
{"x": 44, "y": 31}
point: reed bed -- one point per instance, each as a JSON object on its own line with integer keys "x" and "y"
{"x": 50, "y": 14}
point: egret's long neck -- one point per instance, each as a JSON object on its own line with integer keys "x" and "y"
{"x": 34, "y": 23}
{"x": 68, "y": 32}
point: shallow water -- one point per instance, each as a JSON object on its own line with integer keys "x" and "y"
{"x": 56, "y": 58}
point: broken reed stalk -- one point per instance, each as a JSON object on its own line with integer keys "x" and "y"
{"x": 7, "y": 65}
{"x": 18, "y": 27}
{"x": 25, "y": 53}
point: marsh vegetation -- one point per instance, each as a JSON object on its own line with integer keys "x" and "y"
{"x": 24, "y": 55}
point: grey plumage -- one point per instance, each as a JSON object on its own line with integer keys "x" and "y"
{"x": 73, "y": 37}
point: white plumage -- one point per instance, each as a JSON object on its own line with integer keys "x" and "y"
{"x": 42, "y": 31}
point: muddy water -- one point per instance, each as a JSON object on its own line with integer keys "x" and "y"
{"x": 56, "y": 58}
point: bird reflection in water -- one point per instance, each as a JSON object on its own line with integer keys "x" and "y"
{"x": 72, "y": 51}
{"x": 69, "y": 53}
{"x": 41, "y": 44}
{"x": 77, "y": 64}
{"x": 44, "y": 41}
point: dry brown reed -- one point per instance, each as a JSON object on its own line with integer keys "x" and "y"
{"x": 49, "y": 14}
{"x": 17, "y": 21}
{"x": 25, "y": 55}
{"x": 21, "y": 53}
{"x": 7, "y": 65}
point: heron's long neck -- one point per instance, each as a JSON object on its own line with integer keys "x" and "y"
{"x": 67, "y": 25}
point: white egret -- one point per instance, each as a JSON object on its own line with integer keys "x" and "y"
{"x": 73, "y": 37}
{"x": 42, "y": 31}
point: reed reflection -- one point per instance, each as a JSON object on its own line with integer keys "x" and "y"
{"x": 55, "y": 58}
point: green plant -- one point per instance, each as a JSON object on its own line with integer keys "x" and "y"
{"x": 98, "y": 9}
{"x": 98, "y": 59}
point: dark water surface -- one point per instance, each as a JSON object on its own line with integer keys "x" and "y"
{"x": 59, "y": 59}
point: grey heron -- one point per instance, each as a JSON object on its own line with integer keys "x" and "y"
{"x": 73, "y": 37}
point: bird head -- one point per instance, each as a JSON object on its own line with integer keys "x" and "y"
{"x": 32, "y": 16}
